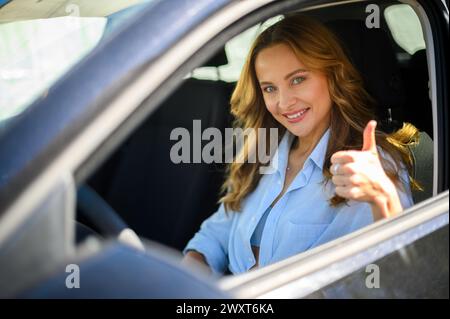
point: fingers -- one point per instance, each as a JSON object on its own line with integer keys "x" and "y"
{"x": 334, "y": 169}
{"x": 369, "y": 142}
{"x": 369, "y": 145}
{"x": 356, "y": 174}
{"x": 343, "y": 157}
{"x": 349, "y": 192}
{"x": 343, "y": 169}
{"x": 339, "y": 180}
{"x": 348, "y": 180}
{"x": 349, "y": 184}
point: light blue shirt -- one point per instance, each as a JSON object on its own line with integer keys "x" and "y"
{"x": 257, "y": 234}
{"x": 300, "y": 220}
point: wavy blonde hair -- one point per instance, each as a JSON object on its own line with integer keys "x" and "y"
{"x": 319, "y": 50}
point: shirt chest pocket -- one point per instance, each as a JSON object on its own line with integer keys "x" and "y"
{"x": 296, "y": 238}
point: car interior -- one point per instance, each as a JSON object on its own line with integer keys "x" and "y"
{"x": 166, "y": 202}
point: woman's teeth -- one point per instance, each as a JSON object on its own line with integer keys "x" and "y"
{"x": 296, "y": 115}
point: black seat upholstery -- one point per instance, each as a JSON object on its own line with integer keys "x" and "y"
{"x": 418, "y": 101}
{"x": 160, "y": 200}
{"x": 372, "y": 54}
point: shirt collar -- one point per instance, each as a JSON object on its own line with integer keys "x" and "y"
{"x": 317, "y": 155}
{"x": 282, "y": 153}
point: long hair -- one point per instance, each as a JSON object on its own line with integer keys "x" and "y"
{"x": 352, "y": 107}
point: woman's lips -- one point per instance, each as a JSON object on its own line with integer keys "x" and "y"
{"x": 295, "y": 117}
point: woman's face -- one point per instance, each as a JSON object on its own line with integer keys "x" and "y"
{"x": 297, "y": 98}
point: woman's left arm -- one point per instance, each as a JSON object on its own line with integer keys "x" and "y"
{"x": 359, "y": 175}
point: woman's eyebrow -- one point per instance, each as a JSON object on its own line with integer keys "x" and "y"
{"x": 293, "y": 72}
{"x": 287, "y": 76}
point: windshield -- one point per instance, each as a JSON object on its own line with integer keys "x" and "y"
{"x": 41, "y": 40}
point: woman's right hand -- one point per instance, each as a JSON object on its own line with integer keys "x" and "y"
{"x": 358, "y": 175}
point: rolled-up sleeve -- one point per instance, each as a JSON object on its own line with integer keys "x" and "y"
{"x": 404, "y": 192}
{"x": 212, "y": 240}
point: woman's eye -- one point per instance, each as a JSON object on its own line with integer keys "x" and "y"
{"x": 269, "y": 89}
{"x": 298, "y": 80}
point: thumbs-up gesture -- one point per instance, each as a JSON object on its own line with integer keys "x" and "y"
{"x": 358, "y": 175}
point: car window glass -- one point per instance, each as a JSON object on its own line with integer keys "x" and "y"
{"x": 37, "y": 48}
{"x": 405, "y": 27}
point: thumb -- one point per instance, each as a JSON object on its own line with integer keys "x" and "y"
{"x": 369, "y": 143}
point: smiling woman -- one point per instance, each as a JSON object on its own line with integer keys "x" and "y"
{"x": 280, "y": 99}
{"x": 336, "y": 173}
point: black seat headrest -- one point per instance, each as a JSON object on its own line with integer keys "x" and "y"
{"x": 371, "y": 52}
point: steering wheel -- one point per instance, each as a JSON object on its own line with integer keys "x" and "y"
{"x": 98, "y": 212}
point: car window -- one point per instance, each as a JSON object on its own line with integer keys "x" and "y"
{"x": 37, "y": 48}
{"x": 405, "y": 27}
{"x": 236, "y": 51}
{"x": 200, "y": 105}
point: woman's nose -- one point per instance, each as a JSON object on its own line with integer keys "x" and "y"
{"x": 286, "y": 99}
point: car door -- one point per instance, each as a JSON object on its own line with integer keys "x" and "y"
{"x": 403, "y": 258}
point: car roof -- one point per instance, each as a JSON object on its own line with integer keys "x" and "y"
{"x": 15, "y": 10}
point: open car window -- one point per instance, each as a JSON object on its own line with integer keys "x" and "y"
{"x": 155, "y": 179}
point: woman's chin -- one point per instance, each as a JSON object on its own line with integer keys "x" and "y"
{"x": 298, "y": 130}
